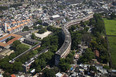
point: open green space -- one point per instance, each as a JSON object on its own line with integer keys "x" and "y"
{"x": 110, "y": 26}
{"x": 112, "y": 44}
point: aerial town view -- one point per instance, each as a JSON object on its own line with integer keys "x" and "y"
{"x": 57, "y": 38}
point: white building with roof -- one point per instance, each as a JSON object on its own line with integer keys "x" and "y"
{"x": 55, "y": 16}
{"x": 59, "y": 74}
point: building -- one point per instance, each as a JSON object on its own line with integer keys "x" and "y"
{"x": 4, "y": 44}
{"x": 31, "y": 60}
{"x": 65, "y": 48}
{"x": 13, "y": 75}
{"x": 27, "y": 65}
{"x": 15, "y": 26}
{"x": 61, "y": 75}
{"x": 30, "y": 41}
{"x": 6, "y": 52}
{"x": 96, "y": 52}
{"x": 58, "y": 74}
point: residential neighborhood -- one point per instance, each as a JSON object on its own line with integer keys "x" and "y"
{"x": 57, "y": 38}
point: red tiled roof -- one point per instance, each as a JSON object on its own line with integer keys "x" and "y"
{"x": 11, "y": 41}
{"x": 13, "y": 75}
{"x": 96, "y": 53}
{"x": 20, "y": 24}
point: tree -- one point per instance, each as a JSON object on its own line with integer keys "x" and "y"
{"x": 33, "y": 36}
{"x": 82, "y": 24}
{"x": 92, "y": 22}
{"x": 98, "y": 24}
{"x": 53, "y": 48}
{"x": 49, "y": 55}
{"x": 106, "y": 67}
{"x": 113, "y": 16}
{"x": 42, "y": 30}
{"x": 38, "y": 69}
{"x": 9, "y": 38}
{"x": 93, "y": 68}
{"x": 17, "y": 66}
{"x": 48, "y": 73}
{"x": 63, "y": 65}
{"x": 34, "y": 52}
{"x": 15, "y": 43}
{"x": 56, "y": 69}
{"x": 73, "y": 28}
{"x": 69, "y": 60}
{"x": 40, "y": 22}
{"x": 5, "y": 75}
{"x": 40, "y": 27}
{"x": 42, "y": 63}
{"x": 93, "y": 44}
{"x": 21, "y": 48}
{"x": 70, "y": 57}
{"x": 76, "y": 39}
{"x": 87, "y": 56}
{"x": 86, "y": 38}
{"x": 86, "y": 29}
{"x": 26, "y": 28}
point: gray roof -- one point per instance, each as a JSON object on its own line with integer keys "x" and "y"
{"x": 31, "y": 40}
{"x": 66, "y": 43}
{"x": 23, "y": 33}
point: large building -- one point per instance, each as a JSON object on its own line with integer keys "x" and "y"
{"x": 30, "y": 41}
{"x": 65, "y": 48}
{"x": 4, "y": 44}
{"x": 15, "y": 26}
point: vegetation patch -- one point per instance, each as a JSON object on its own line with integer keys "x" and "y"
{"x": 112, "y": 44}
{"x": 110, "y": 26}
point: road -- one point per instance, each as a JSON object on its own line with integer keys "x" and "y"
{"x": 13, "y": 60}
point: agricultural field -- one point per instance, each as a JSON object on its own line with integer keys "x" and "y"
{"x": 110, "y": 26}
{"x": 112, "y": 45}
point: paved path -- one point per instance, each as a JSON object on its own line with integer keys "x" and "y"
{"x": 13, "y": 60}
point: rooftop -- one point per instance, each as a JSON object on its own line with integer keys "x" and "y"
{"x": 11, "y": 41}
{"x": 66, "y": 43}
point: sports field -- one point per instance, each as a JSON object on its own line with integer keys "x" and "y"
{"x": 110, "y": 26}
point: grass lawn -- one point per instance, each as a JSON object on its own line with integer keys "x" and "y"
{"x": 110, "y": 26}
{"x": 112, "y": 44}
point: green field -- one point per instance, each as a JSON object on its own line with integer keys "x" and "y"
{"x": 110, "y": 26}
{"x": 112, "y": 44}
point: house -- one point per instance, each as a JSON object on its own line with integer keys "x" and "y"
{"x": 76, "y": 56}
{"x": 15, "y": 26}
{"x": 6, "y": 52}
{"x": 1, "y": 75}
{"x": 13, "y": 75}
{"x": 59, "y": 74}
{"x": 96, "y": 52}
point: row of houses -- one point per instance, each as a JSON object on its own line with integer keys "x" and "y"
{"x": 15, "y": 26}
